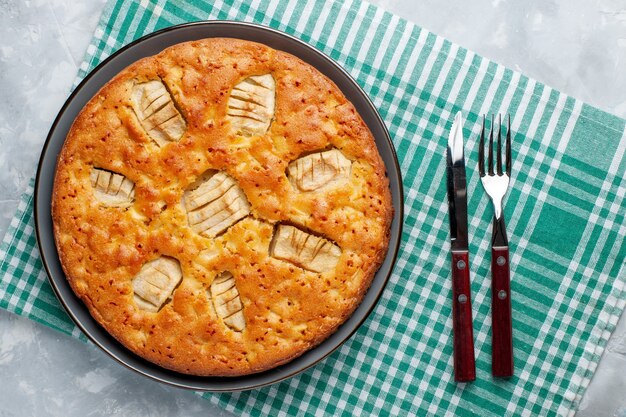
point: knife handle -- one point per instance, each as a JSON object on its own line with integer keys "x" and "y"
{"x": 464, "y": 362}
{"x": 502, "y": 332}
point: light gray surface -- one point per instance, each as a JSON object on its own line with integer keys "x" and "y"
{"x": 576, "y": 46}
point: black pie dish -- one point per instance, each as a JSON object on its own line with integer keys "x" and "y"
{"x": 150, "y": 45}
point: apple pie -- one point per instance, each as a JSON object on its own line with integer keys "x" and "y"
{"x": 220, "y": 208}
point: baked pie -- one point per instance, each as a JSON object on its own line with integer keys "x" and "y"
{"x": 220, "y": 208}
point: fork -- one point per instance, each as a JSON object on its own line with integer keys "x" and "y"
{"x": 496, "y": 184}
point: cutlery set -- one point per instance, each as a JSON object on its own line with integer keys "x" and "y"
{"x": 495, "y": 181}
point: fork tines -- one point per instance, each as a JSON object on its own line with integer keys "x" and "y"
{"x": 481, "y": 148}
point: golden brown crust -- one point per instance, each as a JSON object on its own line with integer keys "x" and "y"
{"x": 287, "y": 309}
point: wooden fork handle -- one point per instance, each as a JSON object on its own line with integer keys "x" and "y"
{"x": 463, "y": 334}
{"x": 502, "y": 332}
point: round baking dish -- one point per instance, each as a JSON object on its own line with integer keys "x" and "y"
{"x": 153, "y": 44}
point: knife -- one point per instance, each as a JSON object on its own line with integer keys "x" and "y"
{"x": 463, "y": 334}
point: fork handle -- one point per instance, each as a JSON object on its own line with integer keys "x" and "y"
{"x": 462, "y": 327}
{"x": 502, "y": 332}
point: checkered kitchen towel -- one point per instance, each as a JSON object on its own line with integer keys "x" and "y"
{"x": 565, "y": 210}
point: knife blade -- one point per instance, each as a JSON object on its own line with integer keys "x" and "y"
{"x": 463, "y": 334}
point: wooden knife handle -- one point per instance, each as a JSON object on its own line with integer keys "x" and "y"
{"x": 464, "y": 362}
{"x": 502, "y": 332}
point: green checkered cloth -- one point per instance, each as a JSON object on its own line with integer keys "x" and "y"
{"x": 565, "y": 212}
